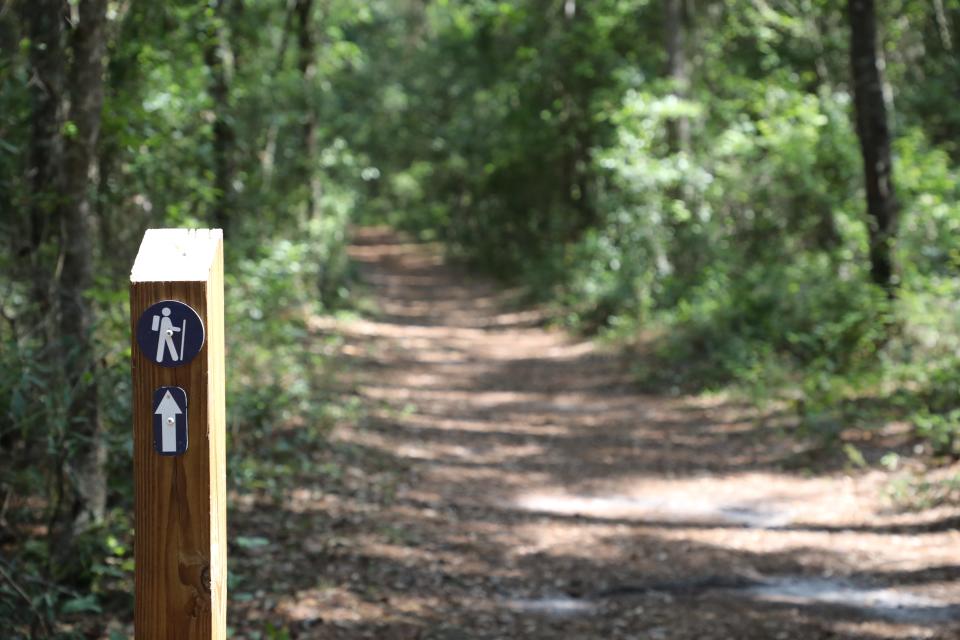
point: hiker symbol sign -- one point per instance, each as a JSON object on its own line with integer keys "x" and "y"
{"x": 170, "y": 333}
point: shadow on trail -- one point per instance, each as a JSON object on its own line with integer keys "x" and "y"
{"x": 385, "y": 554}
{"x": 523, "y": 488}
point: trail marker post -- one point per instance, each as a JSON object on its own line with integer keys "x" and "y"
{"x": 179, "y": 453}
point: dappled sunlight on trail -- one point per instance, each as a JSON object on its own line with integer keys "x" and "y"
{"x": 514, "y": 483}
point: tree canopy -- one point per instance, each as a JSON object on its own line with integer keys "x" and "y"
{"x": 760, "y": 193}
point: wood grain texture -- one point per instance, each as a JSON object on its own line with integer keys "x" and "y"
{"x": 180, "y": 501}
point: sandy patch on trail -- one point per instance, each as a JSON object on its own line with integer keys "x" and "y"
{"x": 509, "y": 481}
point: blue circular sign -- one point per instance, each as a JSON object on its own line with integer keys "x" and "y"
{"x": 170, "y": 333}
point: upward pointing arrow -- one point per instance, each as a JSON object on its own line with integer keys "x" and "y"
{"x": 168, "y": 406}
{"x": 168, "y": 409}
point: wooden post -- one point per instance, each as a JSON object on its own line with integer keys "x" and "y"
{"x": 180, "y": 545}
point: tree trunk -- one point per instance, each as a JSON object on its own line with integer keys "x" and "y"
{"x": 224, "y": 139}
{"x": 44, "y": 20}
{"x": 943, "y": 25}
{"x": 678, "y": 129}
{"x": 576, "y": 133}
{"x": 874, "y": 133}
{"x": 268, "y": 155}
{"x": 308, "y": 70}
{"x": 674, "y": 256}
{"x": 88, "y": 43}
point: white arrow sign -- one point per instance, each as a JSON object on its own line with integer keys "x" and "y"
{"x": 168, "y": 410}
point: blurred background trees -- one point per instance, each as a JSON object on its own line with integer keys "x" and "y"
{"x": 711, "y": 180}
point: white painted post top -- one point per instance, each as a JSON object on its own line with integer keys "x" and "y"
{"x": 176, "y": 255}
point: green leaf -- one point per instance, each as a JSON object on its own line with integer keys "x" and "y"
{"x": 85, "y": 604}
{"x": 251, "y": 542}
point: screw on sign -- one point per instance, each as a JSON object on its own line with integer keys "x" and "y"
{"x": 170, "y": 333}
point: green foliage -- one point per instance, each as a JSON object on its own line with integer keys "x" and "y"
{"x": 274, "y": 379}
{"x": 942, "y": 431}
{"x": 157, "y": 167}
{"x": 537, "y": 144}
{"x": 730, "y": 326}
{"x": 534, "y": 139}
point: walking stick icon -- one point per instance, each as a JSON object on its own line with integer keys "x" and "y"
{"x": 183, "y": 335}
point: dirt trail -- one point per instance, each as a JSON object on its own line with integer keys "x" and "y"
{"x": 509, "y": 481}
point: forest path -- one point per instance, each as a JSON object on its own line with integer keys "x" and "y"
{"x": 513, "y": 483}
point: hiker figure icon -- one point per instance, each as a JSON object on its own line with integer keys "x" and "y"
{"x": 165, "y": 340}
{"x": 170, "y": 333}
